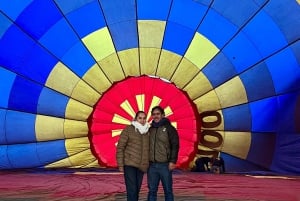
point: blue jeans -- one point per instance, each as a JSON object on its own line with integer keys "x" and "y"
{"x": 133, "y": 181}
{"x": 160, "y": 172}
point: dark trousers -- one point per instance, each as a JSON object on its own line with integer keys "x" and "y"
{"x": 133, "y": 181}
{"x": 160, "y": 172}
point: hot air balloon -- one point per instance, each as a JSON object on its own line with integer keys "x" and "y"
{"x": 226, "y": 72}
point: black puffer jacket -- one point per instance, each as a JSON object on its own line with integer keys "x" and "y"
{"x": 164, "y": 143}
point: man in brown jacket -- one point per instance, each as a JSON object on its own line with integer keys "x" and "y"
{"x": 133, "y": 154}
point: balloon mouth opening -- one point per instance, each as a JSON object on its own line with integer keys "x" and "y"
{"x": 116, "y": 108}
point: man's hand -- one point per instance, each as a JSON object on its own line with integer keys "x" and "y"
{"x": 121, "y": 169}
{"x": 172, "y": 166}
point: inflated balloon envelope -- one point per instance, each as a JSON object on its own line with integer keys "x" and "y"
{"x": 237, "y": 64}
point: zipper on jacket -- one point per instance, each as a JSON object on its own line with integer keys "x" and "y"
{"x": 142, "y": 155}
{"x": 155, "y": 145}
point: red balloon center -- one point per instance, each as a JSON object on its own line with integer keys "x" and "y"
{"x": 117, "y": 107}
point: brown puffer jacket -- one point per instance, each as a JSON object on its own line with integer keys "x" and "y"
{"x": 133, "y": 149}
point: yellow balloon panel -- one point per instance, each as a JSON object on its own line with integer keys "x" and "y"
{"x": 59, "y": 76}
{"x": 75, "y": 129}
{"x": 151, "y": 33}
{"x": 208, "y": 102}
{"x": 167, "y": 64}
{"x": 140, "y": 100}
{"x": 127, "y": 107}
{"x": 198, "y": 86}
{"x": 115, "y": 133}
{"x": 148, "y": 60}
{"x": 79, "y": 153}
{"x": 232, "y": 93}
{"x": 201, "y": 51}
{"x": 120, "y": 120}
{"x": 237, "y": 144}
{"x": 83, "y": 159}
{"x": 85, "y": 94}
{"x": 77, "y": 111}
{"x": 77, "y": 145}
{"x": 93, "y": 164}
{"x": 60, "y": 164}
{"x": 168, "y": 112}
{"x": 99, "y": 44}
{"x": 112, "y": 68}
{"x": 130, "y": 62}
{"x": 49, "y": 128}
{"x": 97, "y": 79}
{"x": 185, "y": 72}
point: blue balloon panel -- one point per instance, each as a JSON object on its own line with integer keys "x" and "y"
{"x": 21, "y": 99}
{"x": 5, "y": 164}
{"x": 237, "y": 165}
{"x": 265, "y": 115}
{"x": 7, "y": 80}
{"x": 118, "y": 11}
{"x": 214, "y": 67}
{"x": 148, "y": 9}
{"x": 285, "y": 79}
{"x": 59, "y": 103}
{"x": 21, "y": 46}
{"x": 21, "y": 154}
{"x": 50, "y": 151}
{"x": 179, "y": 33}
{"x": 289, "y": 113}
{"x": 40, "y": 23}
{"x": 62, "y": 34}
{"x": 190, "y": 9}
{"x": 263, "y": 146}
{"x": 66, "y": 7}
{"x": 258, "y": 74}
{"x": 237, "y": 12}
{"x": 2, "y": 127}
{"x": 237, "y": 118}
{"x": 259, "y": 30}
{"x": 78, "y": 59}
{"x": 287, "y": 25}
{"x": 14, "y": 8}
{"x": 20, "y": 127}
{"x": 238, "y": 51}
{"x": 5, "y": 24}
{"x": 90, "y": 12}
{"x": 287, "y": 152}
{"x": 128, "y": 39}
{"x": 222, "y": 31}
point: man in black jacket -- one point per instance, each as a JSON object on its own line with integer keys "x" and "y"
{"x": 164, "y": 147}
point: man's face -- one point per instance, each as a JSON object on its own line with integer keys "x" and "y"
{"x": 157, "y": 115}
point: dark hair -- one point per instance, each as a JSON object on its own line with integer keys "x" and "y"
{"x": 137, "y": 114}
{"x": 161, "y": 110}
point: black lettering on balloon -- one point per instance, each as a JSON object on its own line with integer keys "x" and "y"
{"x": 210, "y": 138}
{"x": 210, "y": 144}
{"x": 206, "y": 124}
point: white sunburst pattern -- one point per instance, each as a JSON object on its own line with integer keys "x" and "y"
{"x": 140, "y": 101}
